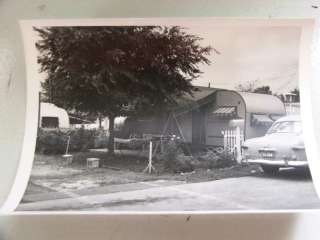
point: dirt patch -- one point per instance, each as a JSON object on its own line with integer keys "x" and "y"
{"x": 33, "y": 188}
{"x": 50, "y": 174}
{"x": 51, "y": 167}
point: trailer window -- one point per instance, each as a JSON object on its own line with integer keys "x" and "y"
{"x": 50, "y": 122}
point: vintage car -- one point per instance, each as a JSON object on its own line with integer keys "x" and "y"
{"x": 282, "y": 146}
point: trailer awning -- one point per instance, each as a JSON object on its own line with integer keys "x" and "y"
{"x": 225, "y": 112}
{"x": 261, "y": 119}
{"x": 77, "y": 120}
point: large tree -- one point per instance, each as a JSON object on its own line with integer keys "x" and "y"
{"x": 115, "y": 71}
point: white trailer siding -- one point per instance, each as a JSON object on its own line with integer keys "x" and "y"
{"x": 214, "y": 125}
{"x": 246, "y": 105}
{"x": 49, "y": 110}
{"x": 256, "y": 103}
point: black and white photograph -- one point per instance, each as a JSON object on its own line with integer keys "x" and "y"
{"x": 168, "y": 116}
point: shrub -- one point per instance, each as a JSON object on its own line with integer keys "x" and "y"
{"x": 51, "y": 142}
{"x": 169, "y": 155}
{"x": 101, "y": 140}
{"x": 55, "y": 141}
{"x": 183, "y": 163}
{"x": 217, "y": 159}
{"x": 175, "y": 160}
{"x": 225, "y": 159}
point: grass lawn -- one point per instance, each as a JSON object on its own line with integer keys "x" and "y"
{"x": 49, "y": 173}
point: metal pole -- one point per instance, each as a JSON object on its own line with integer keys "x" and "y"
{"x": 150, "y": 158}
{"x": 39, "y": 110}
{"x": 67, "y": 150}
{"x": 149, "y": 167}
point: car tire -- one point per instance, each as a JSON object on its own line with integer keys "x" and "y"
{"x": 270, "y": 170}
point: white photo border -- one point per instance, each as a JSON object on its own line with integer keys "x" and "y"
{"x": 308, "y": 73}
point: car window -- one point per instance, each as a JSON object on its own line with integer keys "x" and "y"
{"x": 286, "y": 127}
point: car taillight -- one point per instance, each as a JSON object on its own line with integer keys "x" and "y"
{"x": 244, "y": 147}
{"x": 297, "y": 148}
{"x": 290, "y": 157}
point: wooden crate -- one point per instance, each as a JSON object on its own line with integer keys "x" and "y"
{"x": 93, "y": 162}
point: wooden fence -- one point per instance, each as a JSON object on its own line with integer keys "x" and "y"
{"x": 233, "y": 139}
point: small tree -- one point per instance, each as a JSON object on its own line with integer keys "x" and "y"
{"x": 252, "y": 87}
{"x": 296, "y": 91}
{"x": 248, "y": 86}
{"x": 263, "y": 90}
{"x": 116, "y": 71}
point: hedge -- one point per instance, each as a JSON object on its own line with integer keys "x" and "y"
{"x": 55, "y": 141}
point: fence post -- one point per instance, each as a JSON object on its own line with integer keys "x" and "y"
{"x": 232, "y": 142}
{"x": 224, "y": 139}
{"x": 238, "y": 144}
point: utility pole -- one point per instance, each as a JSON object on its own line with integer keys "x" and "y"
{"x": 39, "y": 110}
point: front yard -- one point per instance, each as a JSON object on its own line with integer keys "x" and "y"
{"x": 50, "y": 174}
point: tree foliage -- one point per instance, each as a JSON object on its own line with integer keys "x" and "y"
{"x": 118, "y": 70}
{"x": 263, "y": 90}
{"x": 296, "y": 92}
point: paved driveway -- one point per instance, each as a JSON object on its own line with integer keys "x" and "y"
{"x": 289, "y": 190}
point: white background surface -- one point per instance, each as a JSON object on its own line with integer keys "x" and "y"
{"x": 12, "y": 116}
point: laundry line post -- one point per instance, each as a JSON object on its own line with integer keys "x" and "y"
{"x": 67, "y": 157}
{"x": 150, "y": 167}
{"x": 68, "y": 144}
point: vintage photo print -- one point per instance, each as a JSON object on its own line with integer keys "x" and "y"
{"x": 167, "y": 115}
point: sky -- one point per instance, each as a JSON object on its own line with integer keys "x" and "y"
{"x": 264, "y": 54}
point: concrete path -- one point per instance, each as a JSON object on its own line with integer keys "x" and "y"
{"x": 246, "y": 193}
{"x": 55, "y": 194}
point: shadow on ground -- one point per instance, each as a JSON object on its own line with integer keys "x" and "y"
{"x": 294, "y": 174}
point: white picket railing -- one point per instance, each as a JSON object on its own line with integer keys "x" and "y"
{"x": 292, "y": 108}
{"x": 232, "y": 141}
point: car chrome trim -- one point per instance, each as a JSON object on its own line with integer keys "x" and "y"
{"x": 279, "y": 162}
{"x": 298, "y": 148}
{"x": 265, "y": 149}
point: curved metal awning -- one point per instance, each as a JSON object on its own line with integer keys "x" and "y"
{"x": 226, "y": 111}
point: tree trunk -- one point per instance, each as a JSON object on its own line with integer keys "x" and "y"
{"x": 111, "y": 135}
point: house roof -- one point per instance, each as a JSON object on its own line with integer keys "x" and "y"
{"x": 201, "y": 93}
{"x": 199, "y": 97}
{"x": 262, "y": 103}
